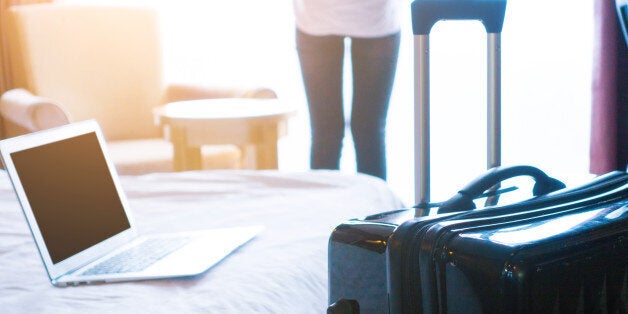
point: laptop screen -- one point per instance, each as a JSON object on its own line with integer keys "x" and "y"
{"x": 71, "y": 193}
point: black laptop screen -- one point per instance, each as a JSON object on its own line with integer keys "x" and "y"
{"x": 71, "y": 193}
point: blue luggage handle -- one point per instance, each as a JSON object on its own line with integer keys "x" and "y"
{"x": 462, "y": 201}
{"x": 425, "y": 13}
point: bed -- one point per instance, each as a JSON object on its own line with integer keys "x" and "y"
{"x": 282, "y": 270}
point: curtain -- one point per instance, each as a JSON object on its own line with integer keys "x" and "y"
{"x": 5, "y": 60}
{"x": 609, "y": 114}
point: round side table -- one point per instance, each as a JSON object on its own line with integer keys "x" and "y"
{"x": 254, "y": 125}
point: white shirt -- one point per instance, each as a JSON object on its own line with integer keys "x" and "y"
{"x": 355, "y": 18}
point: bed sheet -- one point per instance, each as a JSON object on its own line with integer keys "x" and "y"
{"x": 282, "y": 270}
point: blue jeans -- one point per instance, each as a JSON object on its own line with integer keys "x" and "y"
{"x": 374, "y": 62}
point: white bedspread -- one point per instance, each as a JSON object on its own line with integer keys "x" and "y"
{"x": 283, "y": 270}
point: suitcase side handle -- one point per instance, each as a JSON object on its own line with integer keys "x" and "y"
{"x": 344, "y": 306}
{"x": 462, "y": 201}
{"x": 425, "y": 13}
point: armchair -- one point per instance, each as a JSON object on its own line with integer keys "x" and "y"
{"x": 105, "y": 63}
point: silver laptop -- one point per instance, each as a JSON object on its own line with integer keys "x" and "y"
{"x": 80, "y": 219}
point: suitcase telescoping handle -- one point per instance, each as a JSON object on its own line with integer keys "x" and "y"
{"x": 543, "y": 184}
{"x": 425, "y": 13}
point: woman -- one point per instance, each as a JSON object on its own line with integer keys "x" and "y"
{"x": 373, "y": 30}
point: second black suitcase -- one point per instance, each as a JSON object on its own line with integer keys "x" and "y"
{"x": 569, "y": 257}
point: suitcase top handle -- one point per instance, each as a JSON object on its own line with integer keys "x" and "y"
{"x": 425, "y": 13}
{"x": 462, "y": 201}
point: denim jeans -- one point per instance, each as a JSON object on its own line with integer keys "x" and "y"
{"x": 374, "y": 62}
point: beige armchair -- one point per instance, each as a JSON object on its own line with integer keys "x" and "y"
{"x": 75, "y": 62}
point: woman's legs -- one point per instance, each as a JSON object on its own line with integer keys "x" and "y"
{"x": 374, "y": 62}
{"x": 321, "y": 59}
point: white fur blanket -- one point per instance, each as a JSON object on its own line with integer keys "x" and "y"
{"x": 283, "y": 270}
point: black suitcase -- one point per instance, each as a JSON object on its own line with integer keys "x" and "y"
{"x": 351, "y": 283}
{"x": 453, "y": 262}
{"x": 569, "y": 255}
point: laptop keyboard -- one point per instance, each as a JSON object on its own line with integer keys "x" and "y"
{"x": 139, "y": 257}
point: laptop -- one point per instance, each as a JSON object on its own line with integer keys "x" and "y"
{"x": 79, "y": 216}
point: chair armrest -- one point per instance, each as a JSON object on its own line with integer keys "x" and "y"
{"x": 29, "y": 112}
{"x": 180, "y": 92}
